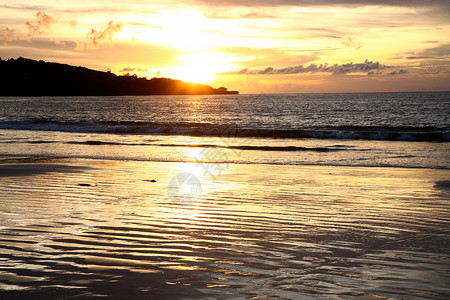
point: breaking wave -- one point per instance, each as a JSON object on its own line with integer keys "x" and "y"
{"x": 389, "y": 133}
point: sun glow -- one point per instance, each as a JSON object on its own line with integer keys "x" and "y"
{"x": 202, "y": 67}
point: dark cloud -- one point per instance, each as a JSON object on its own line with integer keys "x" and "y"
{"x": 439, "y": 52}
{"x": 95, "y": 36}
{"x": 442, "y": 51}
{"x": 418, "y": 57}
{"x": 74, "y": 9}
{"x": 25, "y": 7}
{"x": 368, "y": 67}
{"x": 406, "y": 3}
{"x": 66, "y": 44}
{"x": 397, "y": 72}
{"x": 43, "y": 43}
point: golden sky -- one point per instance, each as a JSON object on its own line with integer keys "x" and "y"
{"x": 270, "y": 46}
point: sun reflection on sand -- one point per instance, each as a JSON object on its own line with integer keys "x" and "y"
{"x": 292, "y": 226}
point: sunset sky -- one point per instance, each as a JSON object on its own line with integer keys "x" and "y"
{"x": 268, "y": 46}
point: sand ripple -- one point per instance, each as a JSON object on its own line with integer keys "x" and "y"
{"x": 259, "y": 231}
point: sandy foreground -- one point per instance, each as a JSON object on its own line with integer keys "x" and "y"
{"x": 128, "y": 229}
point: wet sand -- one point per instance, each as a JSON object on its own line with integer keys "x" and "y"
{"x": 18, "y": 170}
{"x": 85, "y": 228}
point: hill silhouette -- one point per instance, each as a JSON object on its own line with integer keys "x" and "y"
{"x": 27, "y": 77}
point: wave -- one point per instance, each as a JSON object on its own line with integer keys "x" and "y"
{"x": 231, "y": 147}
{"x": 388, "y": 133}
{"x": 38, "y": 158}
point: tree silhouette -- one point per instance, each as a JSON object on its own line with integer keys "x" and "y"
{"x": 27, "y": 77}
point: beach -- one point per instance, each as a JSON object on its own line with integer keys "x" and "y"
{"x": 282, "y": 196}
{"x": 225, "y": 150}
{"x": 83, "y": 228}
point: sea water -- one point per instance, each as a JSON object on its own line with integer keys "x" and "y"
{"x": 377, "y": 129}
{"x": 309, "y": 196}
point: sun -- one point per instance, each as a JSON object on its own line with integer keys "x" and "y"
{"x": 194, "y": 38}
{"x": 201, "y": 67}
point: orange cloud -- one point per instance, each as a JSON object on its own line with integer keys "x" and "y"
{"x": 8, "y": 35}
{"x": 43, "y": 23}
{"x": 95, "y": 36}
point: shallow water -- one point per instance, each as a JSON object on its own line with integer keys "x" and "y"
{"x": 287, "y": 232}
{"x": 242, "y": 150}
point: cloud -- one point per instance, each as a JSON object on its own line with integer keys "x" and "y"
{"x": 95, "y": 36}
{"x": 239, "y": 15}
{"x": 442, "y": 51}
{"x": 91, "y": 9}
{"x": 24, "y": 7}
{"x": 73, "y": 24}
{"x": 353, "y": 3}
{"x": 32, "y": 39}
{"x": 129, "y": 69}
{"x": 349, "y": 43}
{"x": 43, "y": 23}
{"x": 41, "y": 43}
{"x": 368, "y": 67}
{"x": 257, "y": 57}
{"x": 397, "y": 72}
{"x": 439, "y": 52}
{"x": 8, "y": 35}
{"x": 418, "y": 57}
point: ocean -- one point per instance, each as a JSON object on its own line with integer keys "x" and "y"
{"x": 377, "y": 129}
{"x": 288, "y": 196}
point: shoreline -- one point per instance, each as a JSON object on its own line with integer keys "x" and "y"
{"x": 23, "y": 159}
